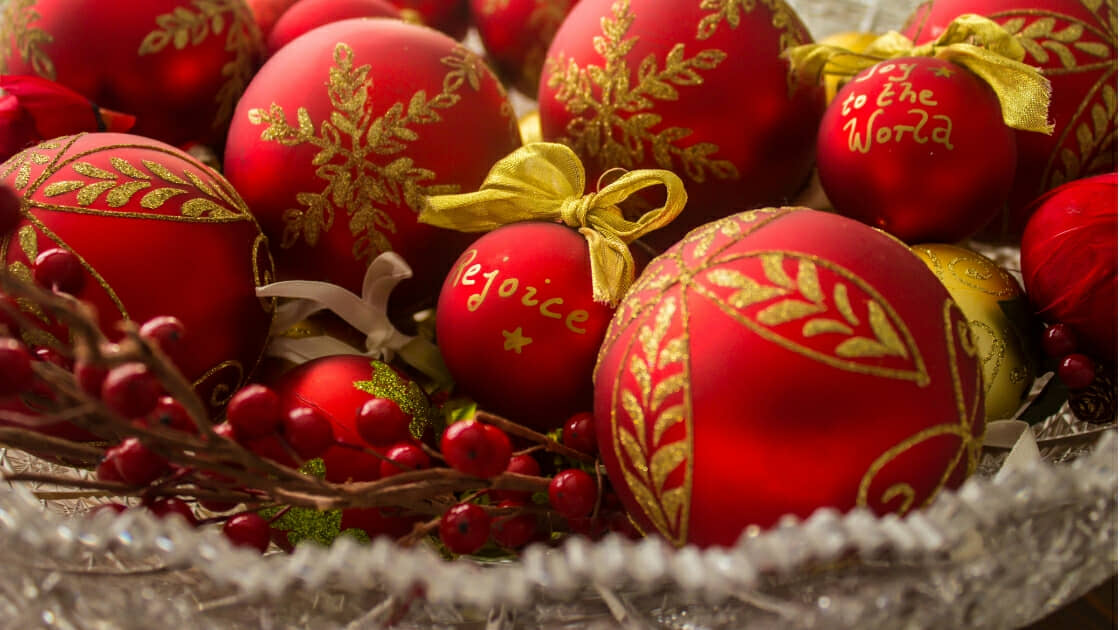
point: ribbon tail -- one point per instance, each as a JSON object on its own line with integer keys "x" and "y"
{"x": 1024, "y": 94}
{"x": 612, "y": 267}
{"x": 305, "y": 349}
{"x": 1016, "y": 435}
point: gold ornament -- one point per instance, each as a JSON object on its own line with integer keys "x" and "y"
{"x": 992, "y": 301}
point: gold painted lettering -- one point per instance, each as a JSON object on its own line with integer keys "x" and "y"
{"x": 855, "y": 142}
{"x": 549, "y": 303}
{"x": 885, "y": 96}
{"x": 508, "y": 287}
{"x": 468, "y": 257}
{"x": 916, "y": 130}
{"x": 527, "y": 299}
{"x": 475, "y": 300}
{"x": 576, "y": 317}
{"x": 942, "y": 135}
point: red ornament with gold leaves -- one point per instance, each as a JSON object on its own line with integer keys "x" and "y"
{"x": 266, "y": 12}
{"x": 311, "y": 14}
{"x": 1073, "y": 43}
{"x": 451, "y": 17}
{"x": 779, "y": 361}
{"x": 179, "y": 66}
{"x": 343, "y": 132}
{"x": 156, "y": 233}
{"x": 696, "y": 89}
{"x": 517, "y": 324}
{"x": 516, "y": 35}
{"x": 917, "y": 146}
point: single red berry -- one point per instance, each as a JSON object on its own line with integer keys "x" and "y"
{"x": 402, "y": 457}
{"x": 1077, "y": 371}
{"x": 16, "y": 374}
{"x": 217, "y": 506}
{"x": 107, "y": 471}
{"x": 273, "y": 448}
{"x": 54, "y": 357}
{"x": 464, "y": 528}
{"x": 346, "y": 464}
{"x": 248, "y": 530}
{"x": 225, "y": 430}
{"x": 514, "y": 531}
{"x": 1058, "y": 340}
{"x": 381, "y": 422}
{"x": 165, "y": 331}
{"x": 254, "y": 412}
{"x": 579, "y": 433}
{"x": 171, "y": 413}
{"x": 60, "y": 270}
{"x": 115, "y": 508}
{"x": 135, "y": 464}
{"x": 90, "y": 377}
{"x": 130, "y": 390}
{"x": 522, "y": 465}
{"x": 164, "y": 508}
{"x": 572, "y": 493}
{"x": 476, "y": 449}
{"x": 10, "y": 214}
{"x": 307, "y": 431}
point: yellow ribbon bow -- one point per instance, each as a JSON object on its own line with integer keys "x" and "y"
{"x": 970, "y": 41}
{"x": 544, "y": 181}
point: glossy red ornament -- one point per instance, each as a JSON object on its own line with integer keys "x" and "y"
{"x": 917, "y": 146}
{"x": 694, "y": 87}
{"x": 452, "y": 17}
{"x": 1068, "y": 258}
{"x": 516, "y": 35}
{"x": 267, "y": 12}
{"x": 179, "y": 66}
{"x": 1073, "y": 43}
{"x": 158, "y": 234}
{"x": 341, "y": 134}
{"x": 337, "y": 386}
{"x": 311, "y": 14}
{"x": 779, "y": 361}
{"x": 517, "y": 326}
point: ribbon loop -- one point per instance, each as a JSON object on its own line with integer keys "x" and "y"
{"x": 971, "y": 41}
{"x": 545, "y": 181}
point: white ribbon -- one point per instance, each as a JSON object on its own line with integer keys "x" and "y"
{"x": 1017, "y": 436}
{"x": 367, "y": 313}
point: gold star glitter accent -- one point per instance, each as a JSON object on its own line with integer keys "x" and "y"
{"x": 515, "y": 340}
{"x": 944, "y": 72}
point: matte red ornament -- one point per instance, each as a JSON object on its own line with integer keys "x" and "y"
{"x": 157, "y": 233}
{"x": 698, "y": 88}
{"x": 1068, "y": 258}
{"x": 179, "y": 66}
{"x": 516, "y": 35}
{"x": 267, "y": 12}
{"x": 1073, "y": 43}
{"x": 517, "y": 325}
{"x": 451, "y": 17}
{"x": 779, "y": 361}
{"x": 311, "y": 14}
{"x": 342, "y": 133}
{"x": 917, "y": 146}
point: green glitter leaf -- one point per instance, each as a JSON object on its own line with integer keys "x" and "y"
{"x": 385, "y": 382}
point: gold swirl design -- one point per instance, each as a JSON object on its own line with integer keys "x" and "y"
{"x": 16, "y": 30}
{"x": 613, "y": 125}
{"x": 183, "y": 27}
{"x": 353, "y": 182}
{"x": 224, "y": 389}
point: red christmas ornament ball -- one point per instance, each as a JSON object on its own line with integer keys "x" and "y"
{"x": 179, "y": 66}
{"x": 517, "y": 325}
{"x": 452, "y": 17}
{"x": 1068, "y": 258}
{"x": 157, "y": 233}
{"x": 311, "y": 14}
{"x": 516, "y": 35}
{"x": 1073, "y": 43}
{"x": 696, "y": 88}
{"x": 917, "y": 146}
{"x": 343, "y": 132}
{"x": 267, "y": 12}
{"x": 779, "y": 361}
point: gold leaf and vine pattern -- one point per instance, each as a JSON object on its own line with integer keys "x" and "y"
{"x": 121, "y": 186}
{"x": 612, "y": 122}
{"x": 33, "y": 336}
{"x": 348, "y": 142}
{"x": 731, "y": 11}
{"x": 183, "y": 27}
{"x": 15, "y": 30}
{"x": 656, "y": 441}
{"x": 1079, "y": 47}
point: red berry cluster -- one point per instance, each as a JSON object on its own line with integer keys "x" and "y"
{"x": 1075, "y": 369}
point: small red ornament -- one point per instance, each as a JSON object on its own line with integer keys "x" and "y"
{"x": 1068, "y": 258}
{"x": 699, "y": 88}
{"x": 1073, "y": 43}
{"x": 179, "y": 66}
{"x": 311, "y": 14}
{"x": 778, "y": 361}
{"x": 341, "y": 134}
{"x": 917, "y": 146}
{"x": 517, "y": 324}
{"x": 452, "y": 17}
{"x": 516, "y": 35}
{"x": 266, "y": 12}
{"x": 157, "y": 233}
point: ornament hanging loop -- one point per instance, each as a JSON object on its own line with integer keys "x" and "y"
{"x": 545, "y": 181}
